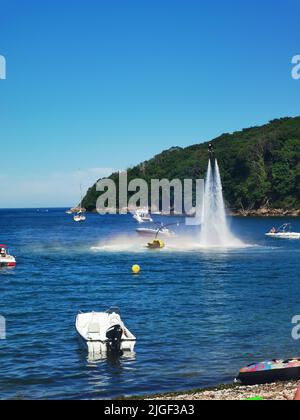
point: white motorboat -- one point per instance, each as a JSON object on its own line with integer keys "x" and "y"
{"x": 79, "y": 217}
{"x": 159, "y": 230}
{"x": 156, "y": 231}
{"x": 104, "y": 333}
{"x": 283, "y": 232}
{"x": 142, "y": 216}
{"x": 6, "y": 260}
{"x": 153, "y": 232}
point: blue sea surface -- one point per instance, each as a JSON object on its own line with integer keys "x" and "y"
{"x": 199, "y": 315}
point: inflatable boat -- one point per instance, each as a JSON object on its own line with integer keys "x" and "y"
{"x": 156, "y": 244}
{"x": 270, "y": 371}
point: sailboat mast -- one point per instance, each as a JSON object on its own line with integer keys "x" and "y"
{"x": 81, "y": 198}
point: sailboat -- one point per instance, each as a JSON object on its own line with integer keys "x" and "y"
{"x": 80, "y": 217}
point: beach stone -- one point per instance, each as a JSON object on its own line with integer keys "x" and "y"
{"x": 279, "y": 391}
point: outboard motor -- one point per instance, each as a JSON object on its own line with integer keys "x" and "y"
{"x": 114, "y": 336}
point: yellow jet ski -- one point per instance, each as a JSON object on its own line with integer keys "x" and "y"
{"x": 156, "y": 244}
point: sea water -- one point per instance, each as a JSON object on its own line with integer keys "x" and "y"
{"x": 198, "y": 314}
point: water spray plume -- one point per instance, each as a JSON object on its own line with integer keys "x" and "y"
{"x": 215, "y": 231}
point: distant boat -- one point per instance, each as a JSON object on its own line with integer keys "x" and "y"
{"x": 159, "y": 230}
{"x": 142, "y": 216}
{"x": 6, "y": 260}
{"x": 80, "y": 217}
{"x": 283, "y": 232}
{"x": 153, "y": 232}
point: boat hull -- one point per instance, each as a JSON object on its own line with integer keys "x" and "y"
{"x": 4, "y": 262}
{"x": 284, "y": 235}
{"x": 79, "y": 219}
{"x": 270, "y": 371}
{"x": 95, "y": 331}
{"x": 153, "y": 233}
{"x": 270, "y": 376}
{"x": 100, "y": 347}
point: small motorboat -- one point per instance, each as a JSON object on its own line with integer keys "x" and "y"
{"x": 160, "y": 230}
{"x": 283, "y": 232}
{"x": 156, "y": 244}
{"x": 6, "y": 260}
{"x": 153, "y": 232}
{"x": 142, "y": 216}
{"x": 79, "y": 217}
{"x": 270, "y": 371}
{"x": 104, "y": 333}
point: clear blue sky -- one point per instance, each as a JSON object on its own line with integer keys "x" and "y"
{"x": 104, "y": 84}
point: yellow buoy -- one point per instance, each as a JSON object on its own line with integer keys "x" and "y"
{"x": 136, "y": 269}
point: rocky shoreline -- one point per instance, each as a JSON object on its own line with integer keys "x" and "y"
{"x": 275, "y": 392}
{"x": 266, "y": 212}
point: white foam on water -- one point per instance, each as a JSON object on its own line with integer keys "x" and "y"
{"x": 182, "y": 243}
{"x": 121, "y": 243}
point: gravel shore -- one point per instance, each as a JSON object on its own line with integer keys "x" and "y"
{"x": 278, "y": 391}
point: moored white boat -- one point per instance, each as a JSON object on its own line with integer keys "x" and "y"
{"x": 103, "y": 333}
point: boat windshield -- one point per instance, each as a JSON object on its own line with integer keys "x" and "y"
{"x": 287, "y": 227}
{"x": 113, "y": 310}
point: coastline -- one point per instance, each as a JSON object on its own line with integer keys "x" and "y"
{"x": 280, "y": 391}
{"x": 262, "y": 212}
{"x": 265, "y": 212}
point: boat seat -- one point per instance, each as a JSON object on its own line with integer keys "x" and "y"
{"x": 94, "y": 328}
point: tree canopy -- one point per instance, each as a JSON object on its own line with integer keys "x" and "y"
{"x": 260, "y": 166}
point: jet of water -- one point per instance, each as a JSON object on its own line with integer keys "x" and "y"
{"x": 215, "y": 231}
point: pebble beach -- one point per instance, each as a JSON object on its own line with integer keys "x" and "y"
{"x": 281, "y": 391}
